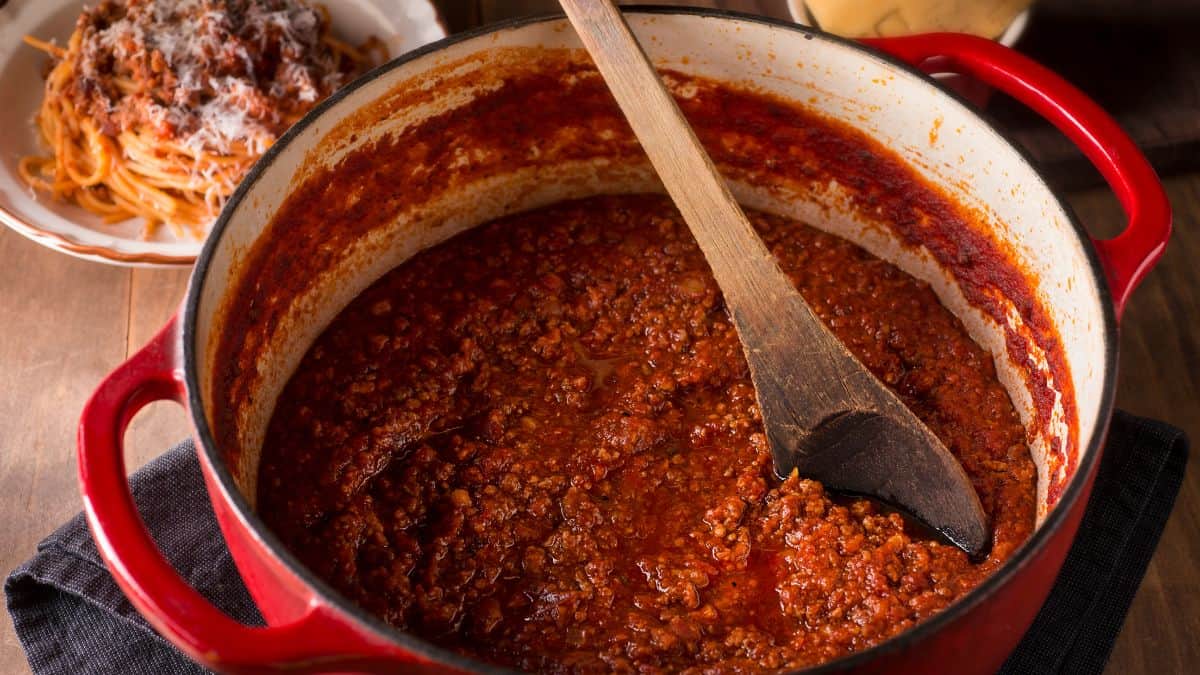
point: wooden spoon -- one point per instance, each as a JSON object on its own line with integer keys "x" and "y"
{"x": 825, "y": 415}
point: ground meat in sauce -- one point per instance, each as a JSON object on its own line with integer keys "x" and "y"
{"x": 537, "y": 444}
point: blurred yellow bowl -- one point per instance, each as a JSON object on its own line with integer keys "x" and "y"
{"x": 1003, "y": 20}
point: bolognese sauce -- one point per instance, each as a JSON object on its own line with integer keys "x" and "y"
{"x": 538, "y": 444}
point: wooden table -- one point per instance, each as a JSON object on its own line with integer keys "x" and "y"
{"x": 65, "y": 323}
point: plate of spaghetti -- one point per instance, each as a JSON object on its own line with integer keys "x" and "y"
{"x": 128, "y": 123}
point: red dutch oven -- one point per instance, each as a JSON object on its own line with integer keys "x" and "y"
{"x": 1061, "y": 376}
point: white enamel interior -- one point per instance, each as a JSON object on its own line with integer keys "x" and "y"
{"x": 930, "y": 130}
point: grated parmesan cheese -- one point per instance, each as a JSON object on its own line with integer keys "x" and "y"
{"x": 215, "y": 75}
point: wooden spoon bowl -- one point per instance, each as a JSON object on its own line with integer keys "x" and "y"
{"x": 825, "y": 414}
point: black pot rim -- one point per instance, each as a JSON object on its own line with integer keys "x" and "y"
{"x": 1029, "y": 551}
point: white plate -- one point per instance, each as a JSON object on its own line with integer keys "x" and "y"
{"x": 402, "y": 24}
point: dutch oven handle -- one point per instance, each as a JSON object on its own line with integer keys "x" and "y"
{"x": 1129, "y": 256}
{"x": 175, "y": 609}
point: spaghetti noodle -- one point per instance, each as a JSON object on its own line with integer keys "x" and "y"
{"x": 156, "y": 109}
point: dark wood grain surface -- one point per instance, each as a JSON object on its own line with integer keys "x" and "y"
{"x": 1139, "y": 59}
{"x": 65, "y": 323}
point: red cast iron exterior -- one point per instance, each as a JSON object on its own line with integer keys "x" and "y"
{"x": 310, "y": 631}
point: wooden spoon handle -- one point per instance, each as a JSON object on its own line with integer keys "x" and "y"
{"x": 757, "y": 293}
{"x": 726, "y": 237}
{"x": 824, "y": 412}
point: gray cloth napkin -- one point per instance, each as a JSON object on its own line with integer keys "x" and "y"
{"x": 72, "y": 618}
{"x": 69, "y": 613}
